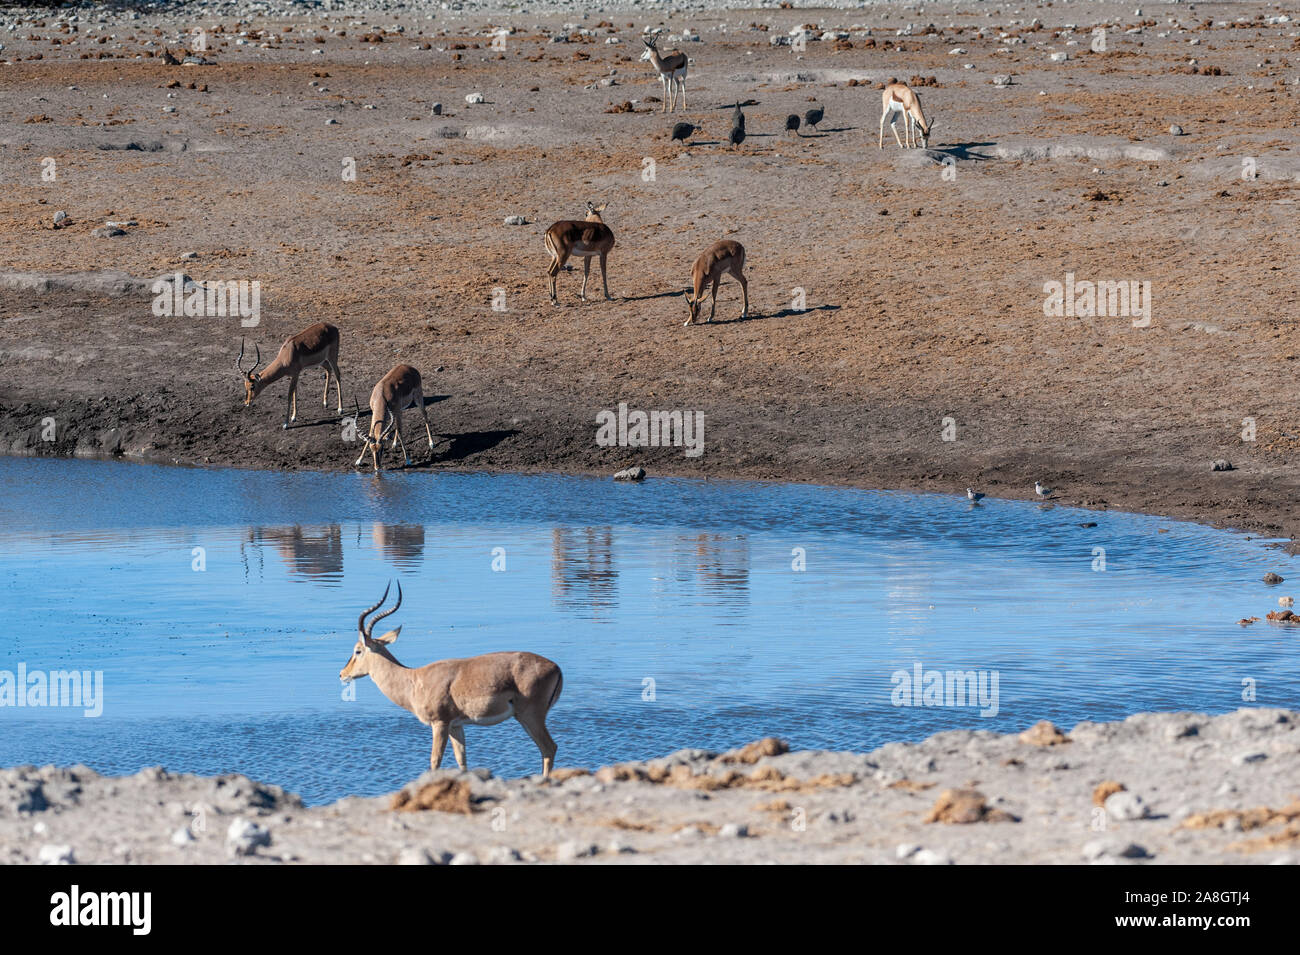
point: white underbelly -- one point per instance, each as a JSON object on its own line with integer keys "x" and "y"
{"x": 584, "y": 250}
{"x": 492, "y": 719}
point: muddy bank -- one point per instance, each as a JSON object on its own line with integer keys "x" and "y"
{"x": 897, "y": 335}
{"x": 1157, "y": 788}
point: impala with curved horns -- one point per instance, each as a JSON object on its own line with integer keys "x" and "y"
{"x": 447, "y": 695}
{"x": 315, "y": 346}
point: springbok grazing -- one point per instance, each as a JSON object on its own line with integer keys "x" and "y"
{"x": 714, "y": 262}
{"x": 316, "y": 345}
{"x": 482, "y": 691}
{"x": 672, "y": 71}
{"x": 586, "y": 238}
{"x": 393, "y": 394}
{"x": 898, "y": 98}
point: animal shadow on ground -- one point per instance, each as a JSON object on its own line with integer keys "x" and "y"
{"x": 461, "y": 446}
{"x": 963, "y": 150}
{"x": 784, "y": 313}
{"x": 652, "y": 295}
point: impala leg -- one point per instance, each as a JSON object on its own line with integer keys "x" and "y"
{"x": 713, "y": 299}
{"x": 663, "y": 81}
{"x": 744, "y": 290}
{"x": 893, "y": 125}
{"x": 881, "y": 144}
{"x": 458, "y": 746}
{"x": 338, "y": 385}
{"x": 439, "y": 744}
{"x": 604, "y": 279}
{"x": 586, "y": 271}
{"x": 536, "y": 727}
{"x": 425, "y": 414}
{"x": 682, "y": 81}
{"x": 325, "y": 395}
{"x": 406, "y": 456}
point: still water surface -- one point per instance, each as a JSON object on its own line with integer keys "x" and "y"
{"x": 675, "y": 609}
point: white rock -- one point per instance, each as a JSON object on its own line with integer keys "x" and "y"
{"x": 930, "y": 857}
{"x": 733, "y": 830}
{"x": 244, "y": 837}
{"x": 56, "y": 855}
{"x": 464, "y": 858}
{"x": 1126, "y": 805}
{"x": 569, "y": 851}
{"x": 474, "y": 98}
{"x": 182, "y": 836}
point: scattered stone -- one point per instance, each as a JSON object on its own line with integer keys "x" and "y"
{"x": 1043, "y": 733}
{"x": 182, "y": 836}
{"x": 1104, "y": 790}
{"x": 906, "y": 850}
{"x": 441, "y": 794}
{"x": 413, "y": 855}
{"x": 60, "y": 219}
{"x": 1286, "y": 601}
{"x": 1176, "y": 130}
{"x": 1241, "y": 759}
{"x": 186, "y": 256}
{"x": 965, "y": 806}
{"x": 1222, "y": 465}
{"x": 752, "y": 752}
{"x": 108, "y": 232}
{"x": 733, "y": 830}
{"x": 464, "y": 858}
{"x": 331, "y": 122}
{"x": 516, "y": 220}
{"x": 930, "y": 857}
{"x": 474, "y": 99}
{"x": 437, "y": 109}
{"x": 634, "y": 473}
{"x": 499, "y": 855}
{"x": 1059, "y": 57}
{"x": 1283, "y": 616}
{"x": 1103, "y": 850}
{"x": 572, "y": 850}
{"x": 1002, "y": 79}
{"x": 56, "y": 855}
{"x": 1272, "y": 578}
{"x": 243, "y": 838}
{"x": 1126, "y": 805}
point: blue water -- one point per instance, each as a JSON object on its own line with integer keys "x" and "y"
{"x": 673, "y": 607}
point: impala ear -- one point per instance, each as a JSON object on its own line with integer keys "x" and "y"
{"x": 599, "y": 208}
{"x": 388, "y": 637}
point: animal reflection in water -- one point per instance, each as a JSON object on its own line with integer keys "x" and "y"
{"x": 403, "y": 544}
{"x": 309, "y": 551}
{"x": 718, "y": 562}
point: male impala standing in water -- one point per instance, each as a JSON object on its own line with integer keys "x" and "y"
{"x": 481, "y": 691}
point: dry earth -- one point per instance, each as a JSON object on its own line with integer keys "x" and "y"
{"x": 1156, "y": 788}
{"x": 924, "y": 283}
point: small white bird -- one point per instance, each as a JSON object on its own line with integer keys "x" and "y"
{"x": 975, "y": 496}
{"x": 1042, "y": 491}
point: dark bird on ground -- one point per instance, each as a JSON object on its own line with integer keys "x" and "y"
{"x": 792, "y": 124}
{"x": 814, "y": 116}
{"x": 737, "y": 135}
{"x": 738, "y": 118}
{"x": 683, "y": 131}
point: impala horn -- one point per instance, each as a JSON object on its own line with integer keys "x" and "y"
{"x": 368, "y": 628}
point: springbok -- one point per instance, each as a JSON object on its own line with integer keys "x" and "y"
{"x": 714, "y": 262}
{"x": 898, "y": 98}
{"x": 392, "y": 394}
{"x": 316, "y": 345}
{"x": 586, "y": 238}
{"x": 482, "y": 691}
{"x": 672, "y": 71}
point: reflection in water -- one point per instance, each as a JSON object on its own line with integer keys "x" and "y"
{"x": 583, "y": 576}
{"x": 719, "y": 563}
{"x": 403, "y": 544}
{"x": 309, "y": 551}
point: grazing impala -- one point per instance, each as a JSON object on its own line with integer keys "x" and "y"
{"x": 393, "y": 394}
{"x": 672, "y": 71}
{"x": 316, "y": 345}
{"x": 482, "y": 691}
{"x": 586, "y": 238}
{"x": 714, "y": 262}
{"x": 898, "y": 98}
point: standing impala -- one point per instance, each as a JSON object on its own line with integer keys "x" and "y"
{"x": 898, "y": 98}
{"x": 714, "y": 262}
{"x": 482, "y": 691}
{"x": 672, "y": 71}
{"x": 586, "y": 238}
{"x": 316, "y": 345}
{"x": 393, "y": 394}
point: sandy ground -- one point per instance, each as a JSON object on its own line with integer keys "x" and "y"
{"x": 923, "y": 284}
{"x": 1155, "y": 789}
